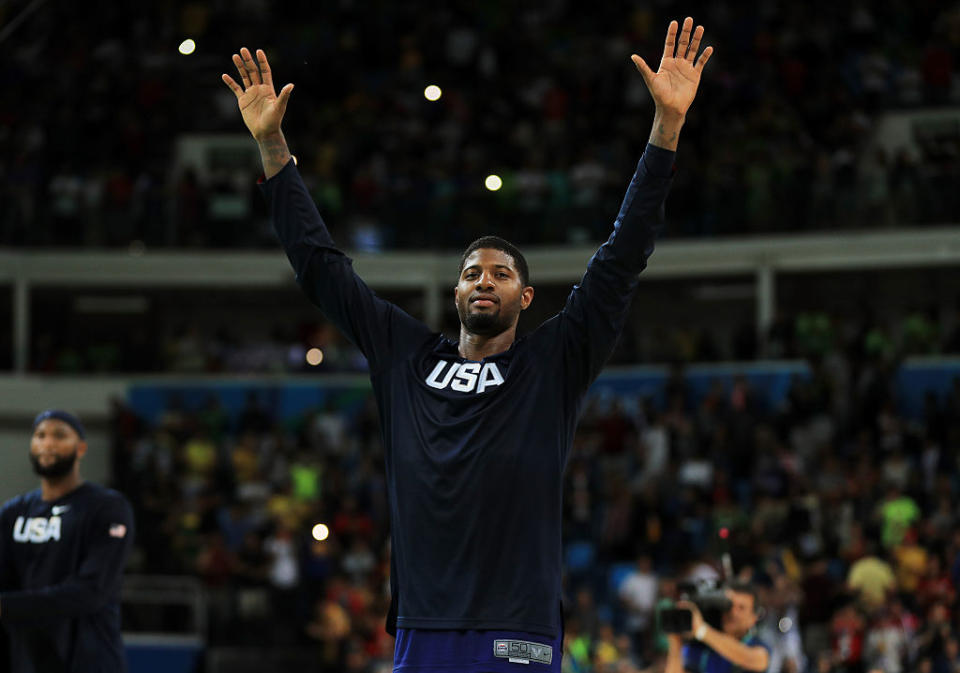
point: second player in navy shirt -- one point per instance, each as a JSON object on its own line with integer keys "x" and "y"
{"x": 477, "y": 431}
{"x": 62, "y": 552}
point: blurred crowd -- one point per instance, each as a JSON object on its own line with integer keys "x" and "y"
{"x": 815, "y": 334}
{"x": 839, "y": 510}
{"x": 543, "y": 95}
{"x": 286, "y": 349}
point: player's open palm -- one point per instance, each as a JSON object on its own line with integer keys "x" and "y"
{"x": 261, "y": 107}
{"x": 674, "y": 85}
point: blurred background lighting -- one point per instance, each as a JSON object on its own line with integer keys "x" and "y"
{"x": 314, "y": 357}
{"x": 493, "y": 182}
{"x": 432, "y": 92}
{"x": 321, "y": 532}
{"x": 187, "y": 47}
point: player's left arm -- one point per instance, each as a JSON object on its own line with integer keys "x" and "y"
{"x": 109, "y": 536}
{"x": 596, "y": 309}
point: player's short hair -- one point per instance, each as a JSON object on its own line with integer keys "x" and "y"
{"x": 503, "y": 245}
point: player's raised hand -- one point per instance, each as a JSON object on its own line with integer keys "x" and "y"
{"x": 674, "y": 85}
{"x": 261, "y": 107}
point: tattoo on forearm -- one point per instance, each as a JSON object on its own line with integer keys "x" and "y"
{"x": 669, "y": 136}
{"x": 665, "y": 132}
{"x": 274, "y": 154}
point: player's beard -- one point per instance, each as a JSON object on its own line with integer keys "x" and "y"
{"x": 59, "y": 468}
{"x": 485, "y": 323}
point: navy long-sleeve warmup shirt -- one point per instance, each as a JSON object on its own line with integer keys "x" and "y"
{"x": 61, "y": 563}
{"x": 475, "y": 451}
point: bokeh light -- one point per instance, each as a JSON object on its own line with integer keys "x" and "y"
{"x": 187, "y": 47}
{"x": 493, "y": 182}
{"x": 314, "y": 357}
{"x": 432, "y": 92}
{"x": 320, "y": 532}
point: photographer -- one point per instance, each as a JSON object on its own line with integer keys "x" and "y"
{"x": 735, "y": 647}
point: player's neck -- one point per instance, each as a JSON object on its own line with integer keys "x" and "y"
{"x": 478, "y": 346}
{"x": 54, "y": 489}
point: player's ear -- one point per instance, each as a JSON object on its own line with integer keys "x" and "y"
{"x": 526, "y": 298}
{"x": 81, "y": 448}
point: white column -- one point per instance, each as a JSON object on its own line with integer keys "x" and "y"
{"x": 431, "y": 305}
{"x": 21, "y": 325}
{"x": 766, "y": 302}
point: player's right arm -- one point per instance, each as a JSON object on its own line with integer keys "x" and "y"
{"x": 376, "y": 326}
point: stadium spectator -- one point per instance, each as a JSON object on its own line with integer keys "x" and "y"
{"x": 839, "y": 539}
{"x": 814, "y": 163}
{"x": 733, "y": 646}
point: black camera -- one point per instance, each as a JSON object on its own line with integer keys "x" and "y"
{"x": 710, "y": 597}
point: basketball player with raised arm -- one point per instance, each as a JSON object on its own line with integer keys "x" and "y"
{"x": 477, "y": 431}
